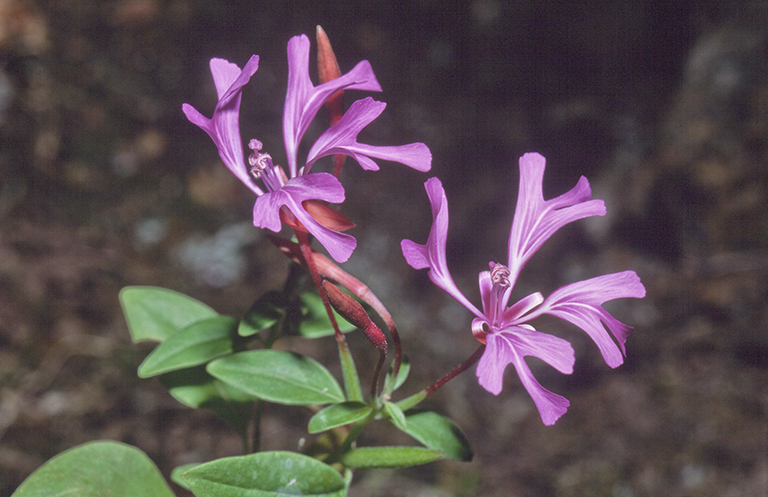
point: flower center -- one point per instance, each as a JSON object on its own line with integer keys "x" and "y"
{"x": 499, "y": 274}
{"x": 262, "y": 167}
{"x": 500, "y": 279}
{"x": 258, "y": 161}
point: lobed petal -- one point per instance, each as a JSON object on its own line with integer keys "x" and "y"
{"x": 303, "y": 100}
{"x": 505, "y": 348}
{"x": 581, "y": 303}
{"x": 224, "y": 126}
{"x": 537, "y": 219}
{"x": 342, "y": 139}
{"x": 319, "y": 186}
{"x": 432, "y": 254}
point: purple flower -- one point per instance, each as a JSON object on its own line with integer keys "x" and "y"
{"x": 505, "y": 329}
{"x": 293, "y": 198}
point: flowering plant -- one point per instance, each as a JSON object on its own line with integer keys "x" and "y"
{"x": 230, "y": 365}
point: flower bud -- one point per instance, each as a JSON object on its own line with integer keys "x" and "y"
{"x": 351, "y": 310}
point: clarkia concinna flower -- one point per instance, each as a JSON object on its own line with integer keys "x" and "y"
{"x": 505, "y": 330}
{"x": 297, "y": 197}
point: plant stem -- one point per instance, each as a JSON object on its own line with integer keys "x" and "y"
{"x": 414, "y": 399}
{"x": 349, "y": 373}
{"x": 256, "y": 437}
{"x": 354, "y": 432}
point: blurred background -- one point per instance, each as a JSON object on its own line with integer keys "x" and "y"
{"x": 662, "y": 105}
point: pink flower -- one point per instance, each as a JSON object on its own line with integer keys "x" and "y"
{"x": 505, "y": 329}
{"x": 293, "y": 197}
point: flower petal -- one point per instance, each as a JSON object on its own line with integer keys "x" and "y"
{"x": 432, "y": 255}
{"x": 581, "y": 303}
{"x": 342, "y": 139}
{"x": 537, "y": 219}
{"x": 502, "y": 349}
{"x": 516, "y": 313}
{"x": 318, "y": 186}
{"x": 224, "y": 126}
{"x": 303, "y": 99}
{"x": 555, "y": 351}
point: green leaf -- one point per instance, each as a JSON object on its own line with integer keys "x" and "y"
{"x": 441, "y": 433}
{"x": 97, "y": 469}
{"x": 265, "y": 312}
{"x": 177, "y": 472}
{"x": 338, "y": 415}
{"x": 194, "y": 387}
{"x": 392, "y": 384}
{"x": 278, "y": 376}
{"x": 157, "y": 313}
{"x": 197, "y": 344}
{"x": 395, "y": 415}
{"x": 265, "y": 474}
{"x": 315, "y": 323}
{"x": 389, "y": 457}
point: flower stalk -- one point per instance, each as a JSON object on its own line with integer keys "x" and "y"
{"x": 353, "y": 312}
{"x": 348, "y": 370}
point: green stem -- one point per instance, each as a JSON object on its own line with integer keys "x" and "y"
{"x": 256, "y": 437}
{"x": 354, "y": 432}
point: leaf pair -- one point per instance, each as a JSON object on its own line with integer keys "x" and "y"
{"x": 110, "y": 468}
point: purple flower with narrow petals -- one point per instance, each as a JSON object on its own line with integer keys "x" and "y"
{"x": 293, "y": 197}
{"x": 506, "y": 330}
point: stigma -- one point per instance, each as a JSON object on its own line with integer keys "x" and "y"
{"x": 259, "y": 162}
{"x": 499, "y": 274}
{"x": 273, "y": 176}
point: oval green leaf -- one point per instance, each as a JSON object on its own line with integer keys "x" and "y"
{"x": 97, "y": 469}
{"x": 338, "y": 415}
{"x": 156, "y": 314}
{"x": 441, "y": 433}
{"x": 197, "y": 344}
{"x": 265, "y": 474}
{"x": 390, "y": 457}
{"x": 194, "y": 387}
{"x": 278, "y": 376}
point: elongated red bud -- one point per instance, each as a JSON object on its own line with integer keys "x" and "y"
{"x": 328, "y": 69}
{"x": 351, "y": 310}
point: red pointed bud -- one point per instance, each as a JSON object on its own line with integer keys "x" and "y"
{"x": 351, "y": 310}
{"x": 327, "y": 70}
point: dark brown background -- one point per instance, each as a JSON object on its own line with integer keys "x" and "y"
{"x": 662, "y": 105}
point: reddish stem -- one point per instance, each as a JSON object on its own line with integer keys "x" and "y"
{"x": 353, "y": 312}
{"x": 306, "y": 253}
{"x": 456, "y": 371}
{"x": 328, "y": 269}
